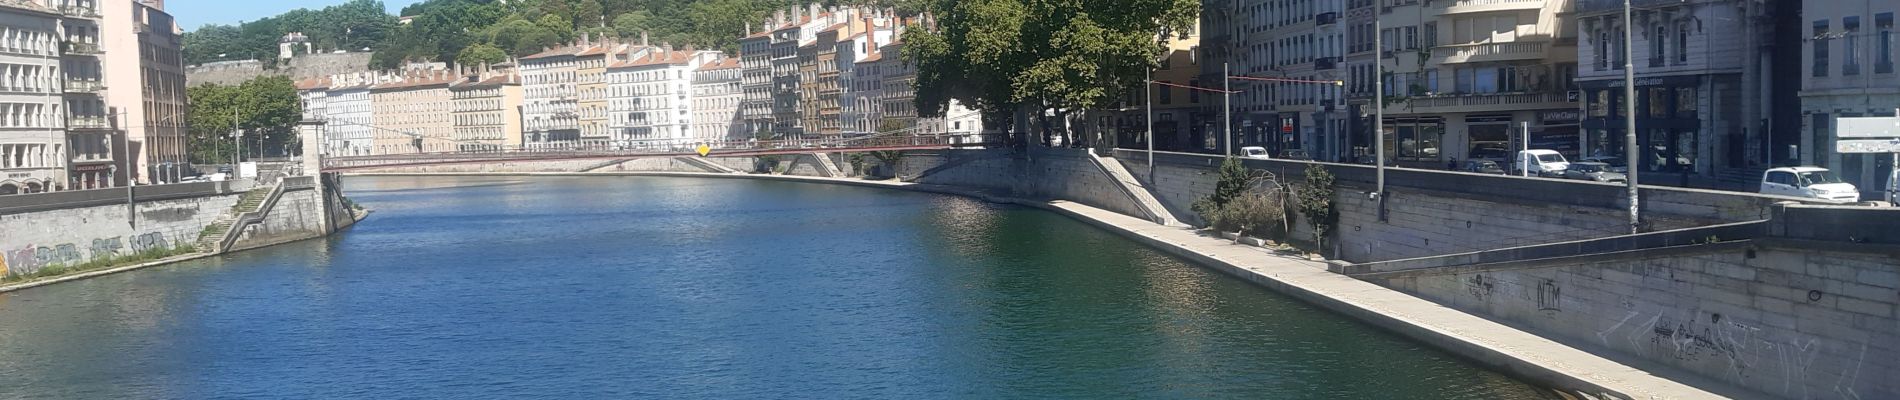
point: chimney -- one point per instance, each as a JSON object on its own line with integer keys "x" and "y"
{"x": 748, "y": 28}
{"x": 585, "y": 40}
{"x": 778, "y": 15}
{"x": 643, "y": 38}
{"x": 798, "y": 15}
{"x": 814, "y": 10}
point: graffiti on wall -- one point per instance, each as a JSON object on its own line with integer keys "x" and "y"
{"x": 33, "y": 258}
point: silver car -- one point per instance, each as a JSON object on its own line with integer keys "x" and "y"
{"x": 1593, "y": 171}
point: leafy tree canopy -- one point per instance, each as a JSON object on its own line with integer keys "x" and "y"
{"x": 266, "y": 108}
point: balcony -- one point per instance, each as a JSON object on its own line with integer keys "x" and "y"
{"x": 82, "y": 86}
{"x": 1482, "y": 102}
{"x": 1483, "y": 52}
{"x": 83, "y": 49}
{"x": 86, "y": 12}
{"x": 1326, "y": 18}
{"x": 1477, "y": 6}
{"x": 88, "y": 123}
{"x": 1585, "y": 7}
{"x": 1325, "y": 63}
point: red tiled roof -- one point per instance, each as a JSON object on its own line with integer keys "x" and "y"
{"x": 313, "y": 84}
{"x": 558, "y": 51}
{"x": 728, "y": 63}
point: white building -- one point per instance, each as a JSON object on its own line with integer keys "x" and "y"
{"x": 650, "y": 98}
{"x": 314, "y": 93}
{"x": 32, "y": 135}
{"x": 715, "y": 102}
{"x": 551, "y": 113}
{"x": 1303, "y": 41}
{"x": 858, "y": 75}
{"x": 348, "y": 115}
{"x": 1847, "y": 70}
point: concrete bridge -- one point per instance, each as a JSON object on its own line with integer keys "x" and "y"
{"x": 735, "y": 148}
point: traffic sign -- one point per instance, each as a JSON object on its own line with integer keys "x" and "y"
{"x": 704, "y": 149}
{"x": 1871, "y": 127}
{"x": 1868, "y": 146}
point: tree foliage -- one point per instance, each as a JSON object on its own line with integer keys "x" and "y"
{"x": 265, "y": 107}
{"x": 356, "y": 25}
{"x": 1316, "y": 203}
{"x": 999, "y": 55}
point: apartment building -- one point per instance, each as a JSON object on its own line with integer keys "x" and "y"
{"x": 551, "y": 110}
{"x": 487, "y": 110}
{"x": 859, "y": 87}
{"x": 1701, "y": 88}
{"x": 348, "y": 115}
{"x": 413, "y": 115}
{"x": 755, "y": 82}
{"x": 1847, "y": 70}
{"x": 716, "y": 98}
{"x": 1302, "y": 43}
{"x": 1179, "y": 118}
{"x": 591, "y": 88}
{"x": 820, "y": 91}
{"x": 897, "y": 89}
{"x": 33, "y": 140}
{"x": 149, "y": 106}
{"x": 1464, "y": 78}
{"x": 651, "y": 96}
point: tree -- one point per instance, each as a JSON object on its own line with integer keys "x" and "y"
{"x": 481, "y": 53}
{"x": 1001, "y": 56}
{"x": 267, "y": 108}
{"x": 1315, "y": 201}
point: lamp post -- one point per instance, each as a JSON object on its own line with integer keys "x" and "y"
{"x": 1378, "y": 110}
{"x": 1629, "y": 121}
{"x": 1148, "y": 105}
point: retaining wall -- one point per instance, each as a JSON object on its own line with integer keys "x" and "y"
{"x": 75, "y": 235}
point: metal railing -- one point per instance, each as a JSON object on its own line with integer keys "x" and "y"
{"x": 83, "y": 48}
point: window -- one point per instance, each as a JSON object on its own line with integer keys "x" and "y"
{"x": 1820, "y": 48}
{"x": 1194, "y": 96}
{"x": 1488, "y": 79}
{"x": 1686, "y": 101}
{"x": 1656, "y": 40}
{"x": 1603, "y": 50}
{"x": 1682, "y": 43}
{"x": 1883, "y": 55}
{"x": 1465, "y": 78}
{"x": 1850, "y": 48}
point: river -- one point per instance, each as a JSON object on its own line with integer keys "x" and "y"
{"x": 620, "y": 287}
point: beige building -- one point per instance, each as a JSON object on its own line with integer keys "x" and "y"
{"x": 487, "y": 111}
{"x": 716, "y": 97}
{"x": 591, "y": 80}
{"x": 413, "y": 115}
{"x": 141, "y": 47}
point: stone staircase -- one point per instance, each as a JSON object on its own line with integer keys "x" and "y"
{"x": 827, "y": 168}
{"x": 1135, "y": 189}
{"x": 708, "y": 165}
{"x": 212, "y": 239}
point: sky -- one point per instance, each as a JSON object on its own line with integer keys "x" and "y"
{"x": 194, "y": 13}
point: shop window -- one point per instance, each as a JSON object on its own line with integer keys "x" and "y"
{"x": 1686, "y": 102}
{"x": 1600, "y": 104}
{"x": 1659, "y": 102}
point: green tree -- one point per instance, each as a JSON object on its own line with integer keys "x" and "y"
{"x": 1003, "y": 55}
{"x": 267, "y": 108}
{"x": 481, "y": 53}
{"x": 1315, "y": 201}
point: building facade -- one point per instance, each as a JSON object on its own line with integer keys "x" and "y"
{"x": 591, "y": 88}
{"x": 487, "y": 111}
{"x": 150, "y": 106}
{"x": 715, "y": 102}
{"x": 551, "y": 110}
{"x": 651, "y": 98}
{"x": 33, "y": 140}
{"x": 348, "y": 116}
{"x": 1847, "y": 70}
{"x": 413, "y": 115}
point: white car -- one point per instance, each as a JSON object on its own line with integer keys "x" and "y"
{"x": 1542, "y": 162}
{"x": 1255, "y": 152}
{"x": 1808, "y": 182}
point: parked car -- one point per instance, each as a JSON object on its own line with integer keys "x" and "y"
{"x": 1482, "y": 167}
{"x": 1808, "y": 182}
{"x": 1617, "y": 164}
{"x": 1542, "y": 162}
{"x": 1294, "y": 154}
{"x": 1255, "y": 152}
{"x": 1593, "y": 171}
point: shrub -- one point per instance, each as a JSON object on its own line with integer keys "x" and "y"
{"x": 1315, "y": 200}
{"x": 1261, "y": 215}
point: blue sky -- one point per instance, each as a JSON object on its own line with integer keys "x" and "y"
{"x": 194, "y": 13}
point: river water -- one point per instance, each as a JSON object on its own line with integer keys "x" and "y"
{"x": 700, "y": 288}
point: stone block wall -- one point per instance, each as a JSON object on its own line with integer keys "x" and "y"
{"x": 1787, "y": 319}
{"x": 298, "y": 214}
{"x": 72, "y": 236}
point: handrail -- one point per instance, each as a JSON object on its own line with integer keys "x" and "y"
{"x": 252, "y": 217}
{"x": 1152, "y": 214}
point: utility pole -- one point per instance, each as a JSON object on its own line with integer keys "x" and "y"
{"x": 237, "y": 141}
{"x": 1227, "y": 106}
{"x": 1629, "y": 122}
{"x": 1378, "y": 108}
{"x": 1148, "y": 104}
{"x": 1524, "y": 149}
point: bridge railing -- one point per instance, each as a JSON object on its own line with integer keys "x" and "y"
{"x": 665, "y": 147}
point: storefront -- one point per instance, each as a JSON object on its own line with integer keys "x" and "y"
{"x": 1667, "y": 121}
{"x": 1558, "y": 130}
{"x": 1416, "y": 139}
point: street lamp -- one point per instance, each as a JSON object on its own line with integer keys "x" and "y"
{"x": 1629, "y": 123}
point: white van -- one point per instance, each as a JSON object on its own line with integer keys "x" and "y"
{"x": 1809, "y": 182}
{"x": 1542, "y": 162}
{"x": 1254, "y": 152}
